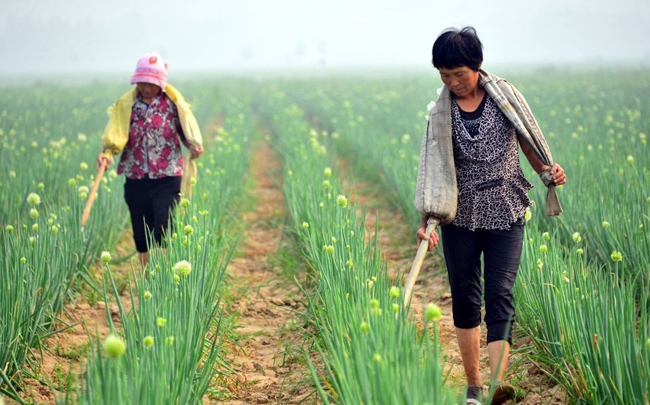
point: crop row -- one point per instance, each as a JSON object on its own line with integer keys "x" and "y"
{"x": 44, "y": 253}
{"x": 582, "y": 291}
{"x": 371, "y": 352}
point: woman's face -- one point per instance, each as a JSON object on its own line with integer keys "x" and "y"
{"x": 461, "y": 80}
{"x": 148, "y": 90}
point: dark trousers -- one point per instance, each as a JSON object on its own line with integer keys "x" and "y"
{"x": 501, "y": 251}
{"x": 150, "y": 203}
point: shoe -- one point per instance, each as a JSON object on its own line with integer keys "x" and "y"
{"x": 474, "y": 395}
{"x": 503, "y": 393}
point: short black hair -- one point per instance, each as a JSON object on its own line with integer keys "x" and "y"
{"x": 456, "y": 48}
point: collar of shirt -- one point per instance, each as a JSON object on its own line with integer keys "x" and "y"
{"x": 144, "y": 106}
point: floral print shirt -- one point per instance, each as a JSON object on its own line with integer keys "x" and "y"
{"x": 153, "y": 150}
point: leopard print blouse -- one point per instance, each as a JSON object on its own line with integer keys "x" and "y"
{"x": 492, "y": 189}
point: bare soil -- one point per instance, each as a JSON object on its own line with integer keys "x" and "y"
{"x": 266, "y": 358}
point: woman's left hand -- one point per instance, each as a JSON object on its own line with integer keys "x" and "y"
{"x": 196, "y": 151}
{"x": 557, "y": 172}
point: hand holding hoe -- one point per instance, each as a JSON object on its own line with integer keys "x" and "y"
{"x": 432, "y": 224}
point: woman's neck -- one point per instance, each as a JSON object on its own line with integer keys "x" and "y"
{"x": 148, "y": 100}
{"x": 476, "y": 94}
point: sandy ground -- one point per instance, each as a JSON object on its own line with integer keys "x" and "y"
{"x": 269, "y": 367}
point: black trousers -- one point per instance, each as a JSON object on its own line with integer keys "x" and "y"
{"x": 150, "y": 203}
{"x": 501, "y": 251}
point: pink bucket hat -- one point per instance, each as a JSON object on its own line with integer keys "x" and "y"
{"x": 152, "y": 69}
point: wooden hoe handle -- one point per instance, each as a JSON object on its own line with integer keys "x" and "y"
{"x": 417, "y": 263}
{"x": 93, "y": 192}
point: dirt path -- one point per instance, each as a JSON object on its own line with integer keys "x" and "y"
{"x": 397, "y": 242}
{"x": 265, "y": 356}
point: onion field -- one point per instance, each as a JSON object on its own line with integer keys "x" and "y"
{"x": 170, "y": 331}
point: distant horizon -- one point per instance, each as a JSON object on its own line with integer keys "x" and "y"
{"x": 587, "y": 65}
{"x": 77, "y": 36}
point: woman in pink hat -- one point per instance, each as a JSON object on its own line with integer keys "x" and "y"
{"x": 148, "y": 125}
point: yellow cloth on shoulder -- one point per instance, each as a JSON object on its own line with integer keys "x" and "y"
{"x": 116, "y": 133}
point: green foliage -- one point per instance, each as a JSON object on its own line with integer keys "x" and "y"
{"x": 586, "y": 310}
{"x": 371, "y": 353}
{"x": 174, "y": 331}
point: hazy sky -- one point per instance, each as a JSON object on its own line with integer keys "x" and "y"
{"x": 42, "y": 36}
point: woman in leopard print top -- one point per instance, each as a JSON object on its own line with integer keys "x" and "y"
{"x": 492, "y": 188}
{"x": 492, "y": 200}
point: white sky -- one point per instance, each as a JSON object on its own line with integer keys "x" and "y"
{"x": 64, "y": 36}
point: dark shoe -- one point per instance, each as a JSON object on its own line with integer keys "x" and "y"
{"x": 474, "y": 395}
{"x": 503, "y": 393}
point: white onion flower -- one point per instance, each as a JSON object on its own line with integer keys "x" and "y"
{"x": 33, "y": 199}
{"x": 183, "y": 268}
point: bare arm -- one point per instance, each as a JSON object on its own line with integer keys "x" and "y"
{"x": 534, "y": 161}
{"x": 195, "y": 151}
{"x": 559, "y": 177}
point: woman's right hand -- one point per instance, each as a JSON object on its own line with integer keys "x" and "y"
{"x": 433, "y": 238}
{"x": 196, "y": 151}
{"x": 101, "y": 157}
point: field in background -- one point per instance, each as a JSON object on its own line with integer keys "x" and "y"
{"x": 583, "y": 287}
